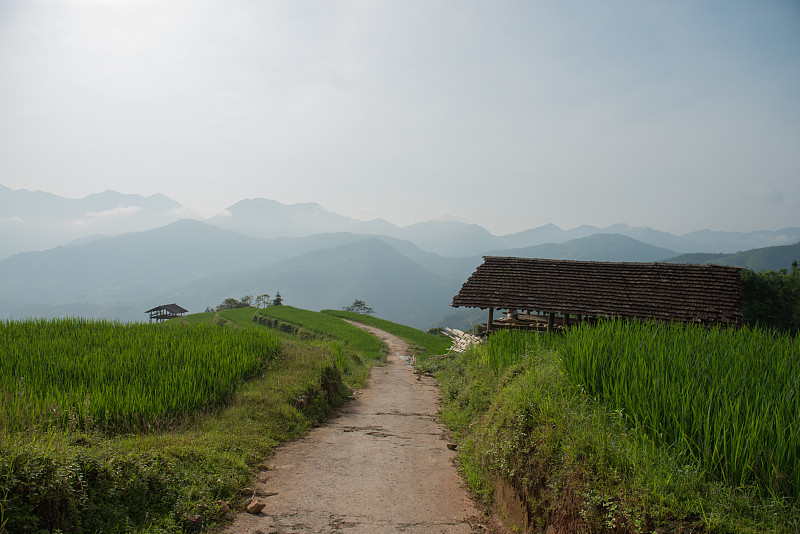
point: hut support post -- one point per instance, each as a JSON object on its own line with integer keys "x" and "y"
{"x": 551, "y": 319}
{"x": 489, "y": 321}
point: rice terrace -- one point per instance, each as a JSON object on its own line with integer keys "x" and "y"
{"x": 558, "y": 421}
{"x": 378, "y": 267}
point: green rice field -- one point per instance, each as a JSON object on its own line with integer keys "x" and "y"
{"x": 728, "y": 398}
{"x": 80, "y": 373}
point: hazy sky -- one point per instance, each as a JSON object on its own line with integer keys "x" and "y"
{"x": 679, "y": 115}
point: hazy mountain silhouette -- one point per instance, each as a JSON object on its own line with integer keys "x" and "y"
{"x": 731, "y": 242}
{"x": 260, "y": 217}
{"x": 119, "y": 268}
{"x": 598, "y": 247}
{"x": 370, "y": 269}
{"x": 450, "y": 238}
{"x": 315, "y": 258}
{"x": 267, "y": 218}
{"x": 699, "y": 241}
{"x": 34, "y": 220}
{"x": 760, "y": 259}
{"x": 121, "y": 276}
{"x": 199, "y": 265}
{"x": 38, "y": 221}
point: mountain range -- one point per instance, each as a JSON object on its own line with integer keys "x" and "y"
{"x": 37, "y": 221}
{"x": 114, "y": 255}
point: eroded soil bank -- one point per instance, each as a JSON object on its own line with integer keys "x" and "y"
{"x": 382, "y": 465}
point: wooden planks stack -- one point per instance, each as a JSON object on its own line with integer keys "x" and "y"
{"x": 461, "y": 340}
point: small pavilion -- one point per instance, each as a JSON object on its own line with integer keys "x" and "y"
{"x": 543, "y": 294}
{"x": 166, "y": 311}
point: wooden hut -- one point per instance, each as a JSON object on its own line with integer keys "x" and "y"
{"x": 544, "y": 294}
{"x": 165, "y": 311}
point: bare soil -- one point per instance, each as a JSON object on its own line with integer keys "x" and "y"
{"x": 381, "y": 465}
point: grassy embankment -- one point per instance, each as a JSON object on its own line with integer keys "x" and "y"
{"x": 419, "y": 342}
{"x": 143, "y": 428}
{"x": 631, "y": 428}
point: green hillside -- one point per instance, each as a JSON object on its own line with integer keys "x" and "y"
{"x": 420, "y": 342}
{"x": 759, "y": 259}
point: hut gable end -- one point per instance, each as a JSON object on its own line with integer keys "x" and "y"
{"x": 662, "y": 291}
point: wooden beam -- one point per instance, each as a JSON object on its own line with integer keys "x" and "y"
{"x": 489, "y": 321}
{"x": 551, "y": 319}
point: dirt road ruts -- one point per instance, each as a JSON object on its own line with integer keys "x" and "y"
{"x": 380, "y": 466}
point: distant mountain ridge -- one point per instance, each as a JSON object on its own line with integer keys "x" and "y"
{"x": 38, "y": 221}
{"x": 760, "y": 259}
{"x": 697, "y": 241}
{"x": 268, "y": 218}
{"x": 197, "y": 265}
{"x": 596, "y": 247}
{"x": 117, "y": 266}
{"x": 35, "y": 220}
{"x": 263, "y": 218}
{"x": 370, "y": 269}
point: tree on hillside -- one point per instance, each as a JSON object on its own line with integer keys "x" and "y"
{"x": 772, "y": 298}
{"x": 278, "y": 300}
{"x": 359, "y": 306}
{"x": 247, "y": 301}
{"x": 230, "y": 304}
{"x": 262, "y": 301}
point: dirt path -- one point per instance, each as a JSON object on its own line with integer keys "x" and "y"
{"x": 380, "y": 466}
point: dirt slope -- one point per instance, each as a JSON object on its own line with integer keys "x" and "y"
{"x": 380, "y": 466}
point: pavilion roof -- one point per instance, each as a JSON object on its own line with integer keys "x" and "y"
{"x": 171, "y": 308}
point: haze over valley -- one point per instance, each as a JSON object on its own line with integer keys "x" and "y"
{"x": 114, "y": 255}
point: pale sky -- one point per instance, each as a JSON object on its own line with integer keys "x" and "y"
{"x": 679, "y": 115}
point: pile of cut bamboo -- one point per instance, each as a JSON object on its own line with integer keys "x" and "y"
{"x": 461, "y": 340}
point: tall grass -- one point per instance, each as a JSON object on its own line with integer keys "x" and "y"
{"x": 730, "y": 398}
{"x": 120, "y": 377}
{"x": 524, "y": 429}
{"x": 505, "y": 348}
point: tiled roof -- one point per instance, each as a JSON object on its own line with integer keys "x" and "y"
{"x": 663, "y": 291}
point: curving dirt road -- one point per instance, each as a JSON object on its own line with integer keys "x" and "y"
{"x": 380, "y": 466}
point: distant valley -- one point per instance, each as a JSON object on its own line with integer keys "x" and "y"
{"x": 113, "y": 255}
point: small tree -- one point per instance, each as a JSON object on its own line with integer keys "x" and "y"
{"x": 262, "y": 301}
{"x": 359, "y": 306}
{"x": 278, "y": 300}
{"x": 230, "y": 304}
{"x": 772, "y": 298}
{"x": 247, "y": 301}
